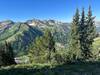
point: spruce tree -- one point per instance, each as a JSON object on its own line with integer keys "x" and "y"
{"x": 83, "y": 31}
{"x": 1, "y": 53}
{"x": 74, "y": 42}
{"x": 6, "y": 54}
{"x": 90, "y": 34}
{"x": 9, "y": 53}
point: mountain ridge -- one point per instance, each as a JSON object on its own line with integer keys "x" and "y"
{"x": 21, "y": 34}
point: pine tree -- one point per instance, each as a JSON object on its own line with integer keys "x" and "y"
{"x": 1, "y": 53}
{"x": 74, "y": 42}
{"x": 49, "y": 43}
{"x": 90, "y": 34}
{"x": 37, "y": 51}
{"x": 42, "y": 49}
{"x": 9, "y": 58}
{"x": 6, "y": 54}
{"x": 83, "y": 31}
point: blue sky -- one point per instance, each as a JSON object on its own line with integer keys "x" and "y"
{"x": 63, "y": 10}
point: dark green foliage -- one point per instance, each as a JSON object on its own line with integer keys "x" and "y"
{"x": 1, "y": 53}
{"x": 91, "y": 32}
{"x": 88, "y": 68}
{"x": 83, "y": 33}
{"x": 43, "y": 48}
{"x": 37, "y": 51}
{"x": 82, "y": 36}
{"x": 87, "y": 34}
{"x": 9, "y": 55}
{"x": 49, "y": 43}
{"x": 74, "y": 42}
{"x": 6, "y": 54}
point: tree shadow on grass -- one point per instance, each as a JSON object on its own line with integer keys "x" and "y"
{"x": 83, "y": 68}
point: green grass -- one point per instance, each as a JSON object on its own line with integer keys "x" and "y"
{"x": 88, "y": 68}
{"x": 96, "y": 46}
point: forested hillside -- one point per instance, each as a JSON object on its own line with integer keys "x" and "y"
{"x": 21, "y": 34}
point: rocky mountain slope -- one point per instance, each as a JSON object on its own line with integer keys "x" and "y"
{"x": 21, "y": 34}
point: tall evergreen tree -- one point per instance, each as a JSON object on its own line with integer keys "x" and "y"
{"x": 37, "y": 52}
{"x": 1, "y": 53}
{"x": 9, "y": 54}
{"x": 74, "y": 42}
{"x": 6, "y": 54}
{"x": 90, "y": 34}
{"x": 49, "y": 43}
{"x": 83, "y": 31}
{"x": 42, "y": 49}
